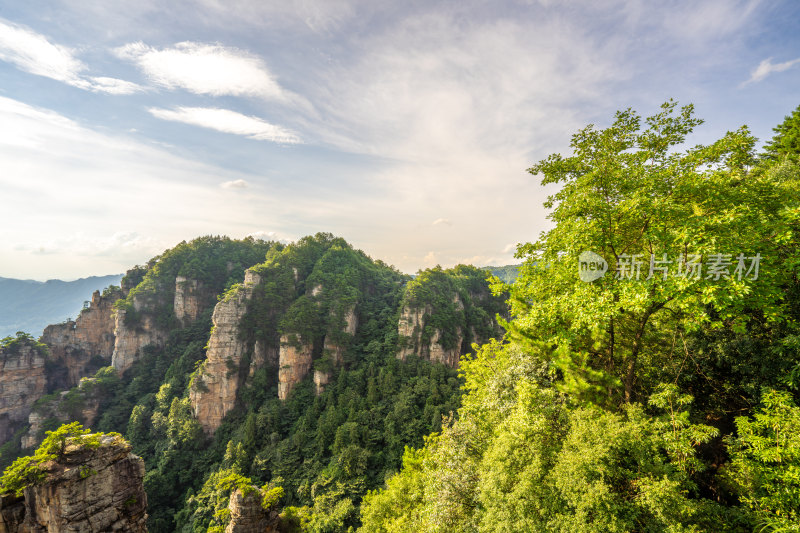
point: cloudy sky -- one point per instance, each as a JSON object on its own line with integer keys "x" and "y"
{"x": 404, "y": 127}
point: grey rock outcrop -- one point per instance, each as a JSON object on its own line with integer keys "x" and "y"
{"x": 131, "y": 339}
{"x": 88, "y": 489}
{"x": 294, "y": 362}
{"x": 22, "y": 381}
{"x": 410, "y": 330}
{"x": 247, "y": 514}
{"x": 214, "y": 388}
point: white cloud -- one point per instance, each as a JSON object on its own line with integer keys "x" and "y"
{"x": 766, "y": 67}
{"x": 235, "y": 184}
{"x": 120, "y": 244}
{"x": 430, "y": 259}
{"x": 205, "y": 69}
{"x": 228, "y": 121}
{"x": 33, "y": 53}
{"x": 269, "y": 236}
{"x": 442, "y": 221}
{"x": 510, "y": 248}
{"x": 59, "y": 176}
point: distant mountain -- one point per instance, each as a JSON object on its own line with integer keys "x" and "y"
{"x": 29, "y": 306}
{"x": 507, "y": 273}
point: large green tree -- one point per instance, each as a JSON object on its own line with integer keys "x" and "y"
{"x": 682, "y": 232}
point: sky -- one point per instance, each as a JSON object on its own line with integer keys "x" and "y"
{"x": 404, "y": 127}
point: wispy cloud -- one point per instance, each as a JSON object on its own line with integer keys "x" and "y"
{"x": 442, "y": 221}
{"x": 113, "y": 85}
{"x": 205, "y": 69}
{"x": 227, "y": 121}
{"x": 125, "y": 244}
{"x": 34, "y": 53}
{"x": 766, "y": 67}
{"x": 235, "y": 184}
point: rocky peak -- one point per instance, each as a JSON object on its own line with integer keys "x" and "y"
{"x": 130, "y": 339}
{"x": 294, "y": 362}
{"x": 411, "y": 328}
{"x": 214, "y": 388}
{"x": 444, "y": 311}
{"x": 75, "y": 344}
{"x": 92, "y": 487}
{"x": 335, "y": 351}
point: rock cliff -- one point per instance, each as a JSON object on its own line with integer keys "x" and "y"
{"x": 90, "y": 488}
{"x": 191, "y": 299}
{"x": 248, "y": 515}
{"x": 138, "y": 326}
{"x": 22, "y": 381}
{"x": 294, "y": 362}
{"x": 80, "y": 347}
{"x": 411, "y": 328}
{"x": 334, "y": 351}
{"x": 214, "y": 388}
{"x": 411, "y": 331}
{"x": 129, "y": 340}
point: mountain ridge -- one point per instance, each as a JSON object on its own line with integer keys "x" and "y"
{"x": 30, "y": 305}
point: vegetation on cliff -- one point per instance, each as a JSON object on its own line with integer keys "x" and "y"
{"x": 31, "y": 469}
{"x": 458, "y": 306}
{"x": 216, "y": 262}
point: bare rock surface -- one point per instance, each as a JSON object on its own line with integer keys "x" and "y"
{"x": 22, "y": 381}
{"x": 213, "y": 391}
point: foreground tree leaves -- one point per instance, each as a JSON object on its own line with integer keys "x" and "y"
{"x": 584, "y": 420}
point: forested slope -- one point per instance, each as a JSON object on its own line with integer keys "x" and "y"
{"x": 240, "y": 364}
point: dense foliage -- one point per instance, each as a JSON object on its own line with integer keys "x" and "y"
{"x": 656, "y": 397}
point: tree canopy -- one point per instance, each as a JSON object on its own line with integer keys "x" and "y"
{"x": 649, "y": 377}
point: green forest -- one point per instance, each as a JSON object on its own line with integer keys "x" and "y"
{"x": 660, "y": 396}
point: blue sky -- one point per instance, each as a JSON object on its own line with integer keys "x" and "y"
{"x": 404, "y": 127}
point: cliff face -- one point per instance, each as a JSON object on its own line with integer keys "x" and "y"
{"x": 86, "y": 489}
{"x": 191, "y": 299}
{"x": 294, "y": 362}
{"x": 22, "y": 382}
{"x": 213, "y": 391}
{"x": 85, "y": 411}
{"x": 129, "y": 340}
{"x": 411, "y": 331}
{"x": 74, "y": 344}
